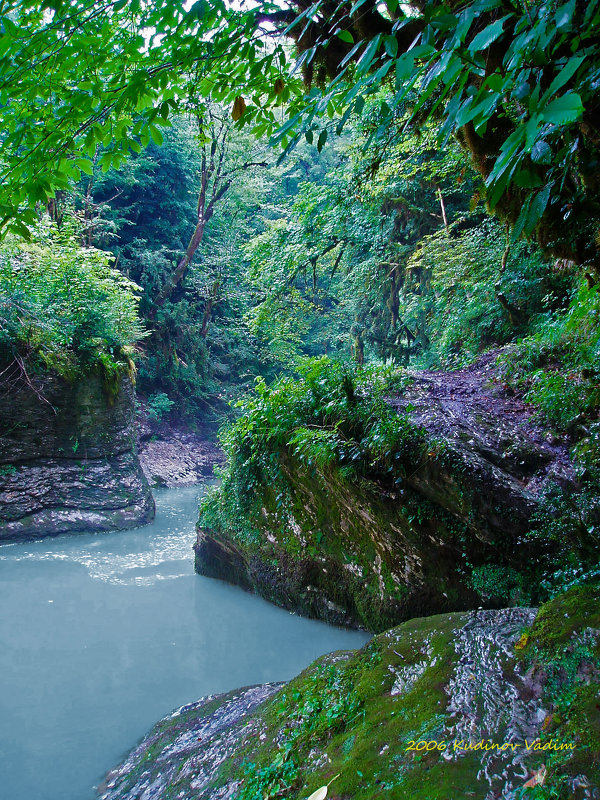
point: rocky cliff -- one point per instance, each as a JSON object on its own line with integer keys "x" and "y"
{"x": 68, "y": 460}
{"x": 483, "y": 704}
{"x": 440, "y": 528}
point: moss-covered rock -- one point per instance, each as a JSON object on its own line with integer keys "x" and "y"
{"x": 416, "y": 505}
{"x": 484, "y": 704}
{"x": 353, "y": 554}
{"x": 68, "y": 460}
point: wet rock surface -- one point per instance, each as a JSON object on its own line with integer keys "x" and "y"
{"x": 175, "y": 457}
{"x": 68, "y": 459}
{"x": 436, "y": 708}
{"x": 509, "y": 457}
{"x": 187, "y": 748}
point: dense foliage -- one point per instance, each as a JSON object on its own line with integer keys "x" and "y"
{"x": 372, "y": 248}
{"x": 147, "y": 213}
{"x": 478, "y": 291}
{"x": 63, "y": 307}
{"x": 558, "y": 364}
{"x": 327, "y": 415}
{"x": 206, "y": 334}
{"x": 517, "y": 85}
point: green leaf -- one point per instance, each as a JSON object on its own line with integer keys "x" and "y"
{"x": 345, "y": 36}
{"x": 365, "y": 61}
{"x": 391, "y": 46}
{"x": 526, "y": 179}
{"x": 85, "y": 165}
{"x": 537, "y": 208}
{"x": 488, "y": 35}
{"x": 198, "y": 10}
{"x": 519, "y": 225}
{"x": 541, "y": 152}
{"x": 322, "y": 140}
{"x": 564, "y": 16}
{"x": 563, "y": 76}
{"x": 156, "y": 135}
{"x": 563, "y": 110}
{"x": 404, "y": 67}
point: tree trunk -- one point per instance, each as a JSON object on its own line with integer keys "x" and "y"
{"x": 208, "y": 309}
{"x": 178, "y": 274}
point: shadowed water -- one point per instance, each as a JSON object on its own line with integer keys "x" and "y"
{"x": 101, "y": 635}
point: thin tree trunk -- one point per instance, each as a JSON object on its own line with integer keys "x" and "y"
{"x": 178, "y": 274}
{"x": 208, "y": 309}
{"x": 442, "y": 206}
{"x": 515, "y": 315}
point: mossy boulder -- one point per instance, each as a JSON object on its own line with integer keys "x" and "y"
{"x": 437, "y": 523}
{"x": 68, "y": 459}
{"x": 483, "y": 704}
{"x": 352, "y": 554}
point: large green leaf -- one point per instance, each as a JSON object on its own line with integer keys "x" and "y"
{"x": 563, "y": 110}
{"x": 488, "y": 35}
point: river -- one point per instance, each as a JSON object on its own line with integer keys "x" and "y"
{"x": 101, "y": 635}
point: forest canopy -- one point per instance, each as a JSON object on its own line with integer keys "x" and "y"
{"x": 517, "y": 84}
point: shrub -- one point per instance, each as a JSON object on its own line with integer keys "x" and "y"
{"x": 159, "y": 406}
{"x": 329, "y": 415}
{"x": 500, "y": 584}
{"x": 63, "y": 306}
{"x": 558, "y": 366}
{"x": 562, "y": 397}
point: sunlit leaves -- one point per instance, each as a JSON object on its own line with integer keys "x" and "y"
{"x": 65, "y": 302}
{"x": 111, "y": 74}
{"x": 108, "y": 75}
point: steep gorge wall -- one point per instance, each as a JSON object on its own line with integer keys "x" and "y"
{"x": 68, "y": 460}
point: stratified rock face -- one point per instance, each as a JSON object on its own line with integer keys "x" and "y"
{"x": 350, "y": 554}
{"x": 189, "y": 747}
{"x": 478, "y": 704}
{"x": 68, "y": 460}
{"x": 379, "y": 550}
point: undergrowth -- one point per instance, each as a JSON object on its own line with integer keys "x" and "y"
{"x": 477, "y": 293}
{"x": 557, "y": 367}
{"x": 63, "y": 308}
{"x": 308, "y": 714}
{"x": 329, "y": 414}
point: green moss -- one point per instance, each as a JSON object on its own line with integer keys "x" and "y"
{"x": 350, "y": 718}
{"x": 340, "y": 718}
{"x": 565, "y": 615}
{"x": 343, "y": 706}
{"x": 563, "y": 646}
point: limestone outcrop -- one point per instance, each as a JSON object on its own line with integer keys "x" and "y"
{"x": 68, "y": 459}
{"x": 443, "y": 529}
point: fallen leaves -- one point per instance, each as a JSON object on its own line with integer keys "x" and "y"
{"x": 537, "y": 779}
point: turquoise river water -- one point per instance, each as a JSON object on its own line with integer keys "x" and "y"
{"x": 102, "y": 635}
